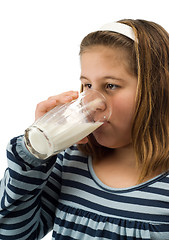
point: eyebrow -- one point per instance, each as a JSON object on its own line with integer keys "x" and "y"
{"x": 105, "y": 78}
{"x": 83, "y": 77}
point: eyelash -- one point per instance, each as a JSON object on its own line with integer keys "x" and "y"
{"x": 87, "y": 85}
{"x": 108, "y": 86}
{"x": 112, "y": 86}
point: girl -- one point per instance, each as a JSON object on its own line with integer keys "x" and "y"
{"x": 114, "y": 184}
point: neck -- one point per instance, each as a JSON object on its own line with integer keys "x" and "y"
{"x": 125, "y": 155}
{"x": 118, "y": 168}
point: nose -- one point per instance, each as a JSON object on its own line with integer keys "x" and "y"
{"x": 96, "y": 105}
{"x": 97, "y": 109}
{"x": 101, "y": 106}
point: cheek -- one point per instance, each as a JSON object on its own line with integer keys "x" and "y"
{"x": 123, "y": 109}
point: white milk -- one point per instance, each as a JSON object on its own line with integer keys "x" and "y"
{"x": 53, "y": 139}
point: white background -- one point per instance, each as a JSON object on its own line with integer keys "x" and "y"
{"x": 39, "y": 47}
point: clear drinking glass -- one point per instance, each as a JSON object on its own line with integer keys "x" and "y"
{"x": 67, "y": 124}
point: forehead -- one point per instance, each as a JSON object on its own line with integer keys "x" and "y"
{"x": 107, "y": 51}
{"x": 103, "y": 56}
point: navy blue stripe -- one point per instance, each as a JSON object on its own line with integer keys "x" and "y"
{"x": 83, "y": 229}
{"x": 34, "y": 206}
{"x": 49, "y": 197}
{"x": 3, "y": 201}
{"x": 158, "y": 191}
{"x": 115, "y": 237}
{"x": 114, "y": 197}
{"x": 25, "y": 179}
{"x": 22, "y": 192}
{"x": 20, "y": 224}
{"x": 73, "y": 147}
{"x": 44, "y": 203}
{"x": 165, "y": 179}
{"x": 58, "y": 167}
{"x": 113, "y": 211}
{"x": 57, "y": 180}
{"x": 57, "y": 236}
{"x": 44, "y": 168}
{"x": 90, "y": 231}
{"x": 16, "y": 157}
{"x": 77, "y": 158}
{"x": 76, "y": 170}
{"x": 60, "y": 157}
{"x": 159, "y": 228}
{"x": 18, "y": 236}
{"x": 3, "y": 213}
{"x": 45, "y": 225}
{"x": 12, "y": 158}
{"x": 50, "y": 212}
{"x": 99, "y": 218}
{"x": 15, "y": 202}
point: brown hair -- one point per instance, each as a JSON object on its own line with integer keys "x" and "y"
{"x": 149, "y": 61}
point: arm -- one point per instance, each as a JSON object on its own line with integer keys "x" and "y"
{"x": 30, "y": 187}
{"x": 28, "y": 194}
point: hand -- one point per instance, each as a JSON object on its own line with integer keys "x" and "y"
{"x": 51, "y": 102}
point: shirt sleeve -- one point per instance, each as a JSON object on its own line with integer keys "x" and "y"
{"x": 29, "y": 192}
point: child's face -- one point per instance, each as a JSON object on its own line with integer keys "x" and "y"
{"x": 106, "y": 70}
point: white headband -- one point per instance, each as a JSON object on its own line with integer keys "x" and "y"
{"x": 119, "y": 28}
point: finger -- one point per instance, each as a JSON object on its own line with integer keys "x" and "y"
{"x": 45, "y": 106}
{"x": 64, "y": 97}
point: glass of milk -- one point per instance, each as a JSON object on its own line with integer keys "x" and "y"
{"x": 67, "y": 124}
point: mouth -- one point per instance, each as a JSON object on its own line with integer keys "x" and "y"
{"x": 105, "y": 121}
{"x": 105, "y": 124}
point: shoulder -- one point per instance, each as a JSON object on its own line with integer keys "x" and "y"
{"x": 72, "y": 153}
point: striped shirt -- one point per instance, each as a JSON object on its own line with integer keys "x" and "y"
{"x": 64, "y": 194}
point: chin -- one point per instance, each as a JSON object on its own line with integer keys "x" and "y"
{"x": 103, "y": 140}
{"x": 109, "y": 140}
{"x": 108, "y": 144}
{"x": 107, "y": 136}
